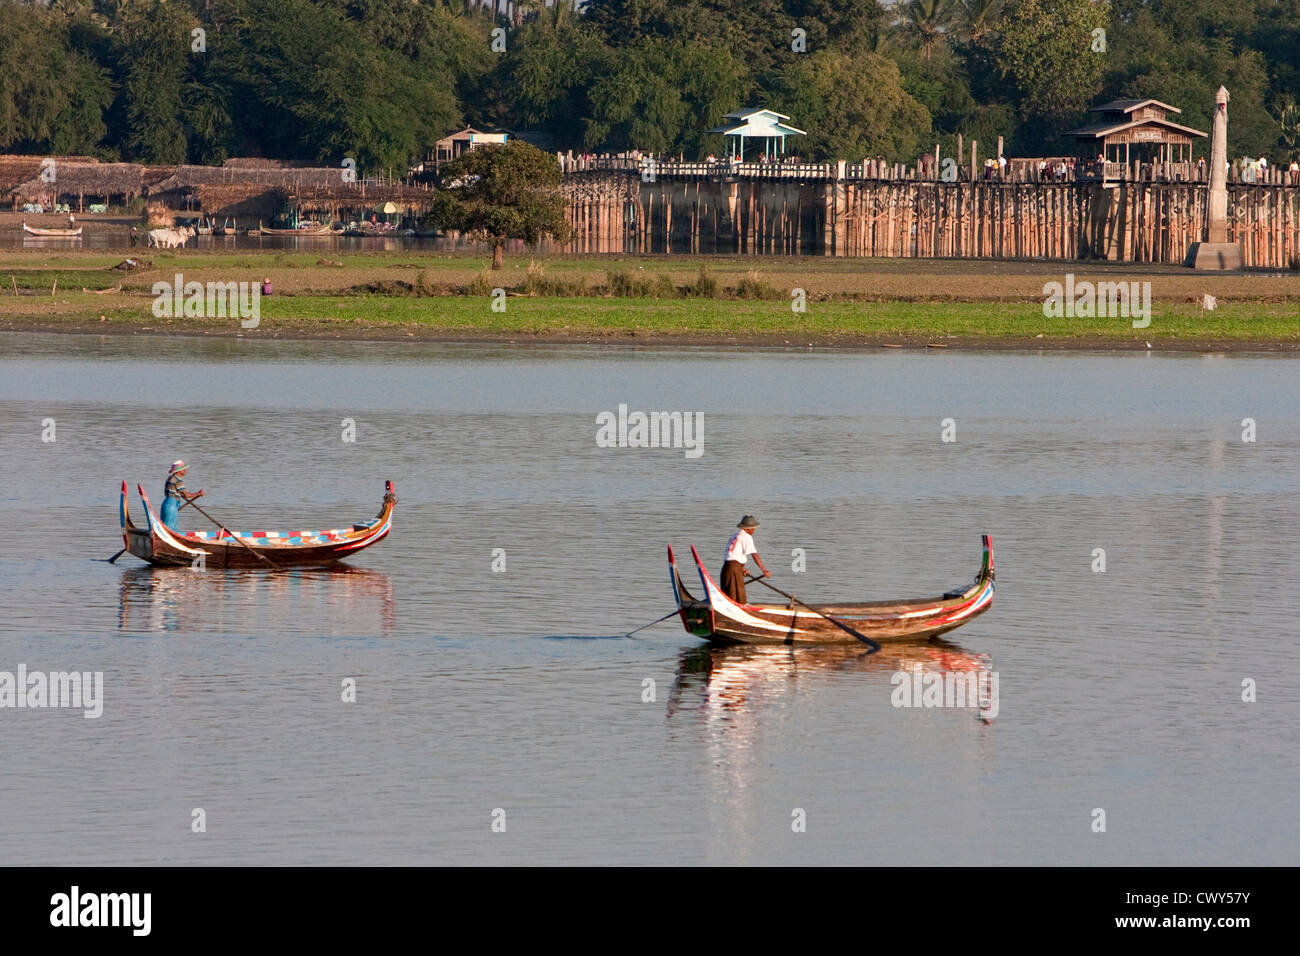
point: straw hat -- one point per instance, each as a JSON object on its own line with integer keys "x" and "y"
{"x": 177, "y": 466}
{"x": 749, "y": 521}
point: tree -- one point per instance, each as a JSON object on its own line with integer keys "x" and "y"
{"x": 1180, "y": 52}
{"x": 52, "y": 96}
{"x": 546, "y": 78}
{"x": 1044, "y": 50}
{"x": 978, "y": 18}
{"x": 662, "y": 95}
{"x": 316, "y": 85}
{"x": 153, "y": 49}
{"x": 926, "y": 21}
{"x": 852, "y": 107}
{"x": 501, "y": 192}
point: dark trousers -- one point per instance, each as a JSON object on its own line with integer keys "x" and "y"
{"x": 733, "y": 581}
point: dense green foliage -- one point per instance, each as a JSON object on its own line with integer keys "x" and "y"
{"x": 380, "y": 80}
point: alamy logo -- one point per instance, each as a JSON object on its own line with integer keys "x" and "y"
{"x": 208, "y": 300}
{"x": 102, "y": 909}
{"x": 71, "y": 689}
{"x": 651, "y": 430}
{"x": 950, "y": 689}
{"x": 1101, "y": 299}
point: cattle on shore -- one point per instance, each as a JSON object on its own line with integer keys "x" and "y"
{"x": 170, "y": 238}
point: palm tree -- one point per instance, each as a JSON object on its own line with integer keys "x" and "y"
{"x": 978, "y": 17}
{"x": 926, "y": 20}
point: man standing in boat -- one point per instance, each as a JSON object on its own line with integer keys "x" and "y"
{"x": 739, "y": 548}
{"x": 175, "y": 494}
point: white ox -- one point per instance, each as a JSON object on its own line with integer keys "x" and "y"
{"x": 170, "y": 238}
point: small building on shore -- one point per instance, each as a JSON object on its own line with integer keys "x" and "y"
{"x": 457, "y": 144}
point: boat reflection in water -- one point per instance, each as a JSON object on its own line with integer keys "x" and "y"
{"x": 354, "y": 601}
{"x": 763, "y": 717}
{"x": 718, "y": 680}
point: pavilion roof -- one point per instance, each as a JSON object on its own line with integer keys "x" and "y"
{"x": 1128, "y": 106}
{"x": 757, "y": 123}
{"x": 1100, "y": 130}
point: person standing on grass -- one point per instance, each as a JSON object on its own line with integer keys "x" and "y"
{"x": 739, "y": 549}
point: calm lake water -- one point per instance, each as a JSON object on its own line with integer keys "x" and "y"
{"x": 100, "y": 238}
{"x": 479, "y": 690}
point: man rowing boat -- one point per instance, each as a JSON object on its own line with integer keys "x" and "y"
{"x": 739, "y": 548}
{"x": 174, "y": 494}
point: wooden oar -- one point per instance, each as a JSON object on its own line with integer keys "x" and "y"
{"x": 840, "y": 624}
{"x": 257, "y": 554}
{"x": 652, "y": 623}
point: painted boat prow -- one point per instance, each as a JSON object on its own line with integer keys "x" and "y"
{"x": 696, "y": 615}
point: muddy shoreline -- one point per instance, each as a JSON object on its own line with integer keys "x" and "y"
{"x": 416, "y": 333}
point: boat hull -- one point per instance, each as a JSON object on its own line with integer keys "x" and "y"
{"x": 52, "y": 233}
{"x": 717, "y": 618}
{"x": 161, "y": 546}
{"x": 316, "y": 231}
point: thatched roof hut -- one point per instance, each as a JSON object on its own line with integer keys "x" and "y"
{"x": 78, "y": 179}
{"x": 244, "y": 187}
{"x": 17, "y": 169}
{"x": 258, "y": 162}
{"x": 263, "y": 188}
{"x": 240, "y": 201}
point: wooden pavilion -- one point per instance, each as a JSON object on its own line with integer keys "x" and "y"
{"x": 1136, "y": 129}
{"x": 760, "y": 124}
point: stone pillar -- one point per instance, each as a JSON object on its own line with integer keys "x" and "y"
{"x": 1216, "y": 252}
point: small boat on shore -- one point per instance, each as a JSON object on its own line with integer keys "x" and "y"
{"x": 718, "y": 618}
{"x": 160, "y": 545}
{"x": 52, "y": 233}
{"x": 314, "y": 230}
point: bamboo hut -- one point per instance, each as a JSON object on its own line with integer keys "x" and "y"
{"x": 266, "y": 189}
{"x": 77, "y": 180}
{"x": 16, "y": 170}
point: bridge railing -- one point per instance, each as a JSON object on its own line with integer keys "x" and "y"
{"x": 1019, "y": 170}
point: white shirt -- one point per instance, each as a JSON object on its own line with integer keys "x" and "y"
{"x": 740, "y": 547}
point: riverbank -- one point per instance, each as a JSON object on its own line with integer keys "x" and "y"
{"x": 650, "y": 300}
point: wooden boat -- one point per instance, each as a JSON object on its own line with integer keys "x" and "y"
{"x": 52, "y": 233}
{"x": 324, "y": 230}
{"x": 158, "y": 544}
{"x": 718, "y": 618}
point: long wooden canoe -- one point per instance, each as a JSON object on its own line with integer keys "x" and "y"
{"x": 324, "y": 230}
{"x": 718, "y": 618}
{"x": 158, "y": 544}
{"x": 52, "y": 233}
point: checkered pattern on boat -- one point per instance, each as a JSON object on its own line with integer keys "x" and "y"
{"x": 275, "y": 537}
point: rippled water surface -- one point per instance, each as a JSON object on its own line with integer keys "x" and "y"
{"x": 479, "y": 690}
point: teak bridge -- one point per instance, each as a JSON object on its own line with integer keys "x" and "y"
{"x": 1113, "y": 211}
